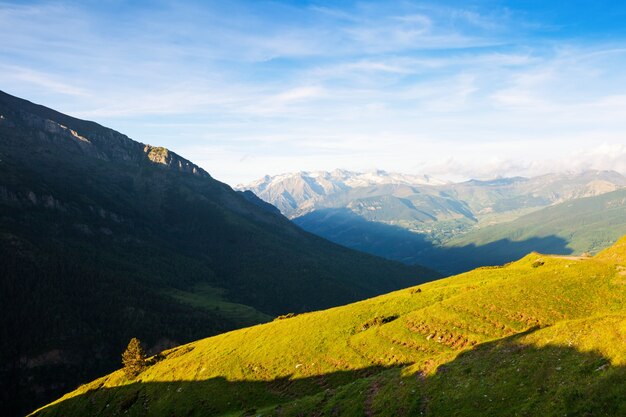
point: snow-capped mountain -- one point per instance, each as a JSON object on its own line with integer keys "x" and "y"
{"x": 403, "y": 217}
{"x": 294, "y": 193}
{"x": 404, "y": 199}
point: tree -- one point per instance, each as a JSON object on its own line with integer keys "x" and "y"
{"x": 134, "y": 358}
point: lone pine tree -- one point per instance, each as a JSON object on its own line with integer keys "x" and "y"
{"x": 134, "y": 358}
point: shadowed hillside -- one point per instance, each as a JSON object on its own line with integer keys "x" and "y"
{"x": 555, "y": 380}
{"x": 477, "y": 222}
{"x": 393, "y": 242}
{"x": 581, "y": 225}
{"x": 541, "y": 336}
{"x": 103, "y": 238}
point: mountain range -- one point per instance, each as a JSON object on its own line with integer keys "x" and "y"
{"x": 103, "y": 238}
{"x": 378, "y": 195}
{"x": 453, "y": 227}
{"x": 298, "y": 193}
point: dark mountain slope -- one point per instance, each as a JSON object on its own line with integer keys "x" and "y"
{"x": 579, "y": 225}
{"x": 103, "y": 238}
{"x": 542, "y": 336}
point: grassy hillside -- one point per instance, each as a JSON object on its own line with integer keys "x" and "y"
{"x": 103, "y": 238}
{"x": 394, "y": 242}
{"x": 542, "y": 336}
{"x": 586, "y": 224}
{"x": 573, "y": 227}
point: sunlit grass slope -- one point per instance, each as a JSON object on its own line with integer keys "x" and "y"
{"x": 542, "y": 336}
{"x": 585, "y": 224}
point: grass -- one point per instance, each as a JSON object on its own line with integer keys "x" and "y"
{"x": 587, "y": 224}
{"x": 541, "y": 336}
{"x": 210, "y": 298}
{"x": 94, "y": 237}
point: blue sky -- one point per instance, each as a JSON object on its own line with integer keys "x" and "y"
{"x": 455, "y": 89}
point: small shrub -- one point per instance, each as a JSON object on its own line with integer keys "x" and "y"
{"x": 156, "y": 358}
{"x": 538, "y": 263}
{"x": 378, "y": 320}
{"x": 177, "y": 351}
{"x": 285, "y": 316}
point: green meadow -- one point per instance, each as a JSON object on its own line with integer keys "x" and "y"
{"x": 543, "y": 336}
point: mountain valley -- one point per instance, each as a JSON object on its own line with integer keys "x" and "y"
{"x": 454, "y": 227}
{"x": 545, "y": 335}
{"x": 103, "y": 238}
{"x": 282, "y": 208}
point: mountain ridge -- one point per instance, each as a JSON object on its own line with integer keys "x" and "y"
{"x": 298, "y": 193}
{"x": 103, "y": 143}
{"x": 107, "y": 238}
{"x": 289, "y": 191}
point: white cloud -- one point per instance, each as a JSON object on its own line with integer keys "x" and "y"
{"x": 604, "y": 156}
{"x": 11, "y": 74}
{"x": 298, "y": 94}
{"x": 403, "y": 87}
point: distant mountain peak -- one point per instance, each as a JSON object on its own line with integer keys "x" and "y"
{"x": 289, "y": 191}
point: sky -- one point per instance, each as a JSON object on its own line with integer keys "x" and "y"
{"x": 453, "y": 89}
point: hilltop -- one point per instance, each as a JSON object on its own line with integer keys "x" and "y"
{"x": 103, "y": 238}
{"x": 541, "y": 336}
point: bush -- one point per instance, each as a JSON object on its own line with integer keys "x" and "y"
{"x": 285, "y": 316}
{"x": 134, "y": 358}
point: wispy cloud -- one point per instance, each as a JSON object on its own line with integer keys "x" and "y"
{"x": 15, "y": 74}
{"x": 604, "y": 156}
{"x": 260, "y": 87}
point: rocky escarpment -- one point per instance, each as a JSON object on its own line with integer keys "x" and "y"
{"x": 86, "y": 137}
